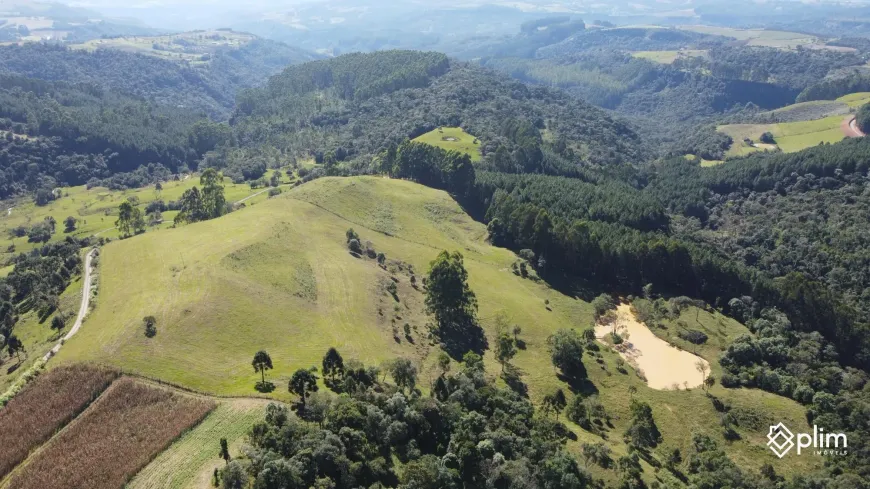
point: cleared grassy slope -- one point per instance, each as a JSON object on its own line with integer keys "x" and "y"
{"x": 278, "y": 276}
{"x": 452, "y": 139}
{"x": 223, "y": 289}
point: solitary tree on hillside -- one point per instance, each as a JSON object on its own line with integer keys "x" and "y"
{"x": 505, "y": 348}
{"x": 566, "y": 351}
{"x": 333, "y": 364}
{"x": 15, "y": 347}
{"x": 213, "y": 200}
{"x": 225, "y": 451}
{"x": 303, "y": 383}
{"x": 701, "y": 366}
{"x": 404, "y": 373}
{"x": 191, "y": 206}
{"x": 262, "y": 362}
{"x": 69, "y": 224}
{"x": 130, "y": 219}
{"x": 454, "y": 305}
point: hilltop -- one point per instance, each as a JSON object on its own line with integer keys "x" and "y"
{"x": 278, "y": 276}
{"x": 356, "y": 105}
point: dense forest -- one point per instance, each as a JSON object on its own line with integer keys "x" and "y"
{"x": 320, "y": 108}
{"x": 57, "y": 133}
{"x": 210, "y": 87}
{"x": 710, "y": 76}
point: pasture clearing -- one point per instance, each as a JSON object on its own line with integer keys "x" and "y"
{"x": 452, "y": 139}
{"x": 46, "y": 405}
{"x": 223, "y": 289}
{"x": 190, "y": 461}
{"x": 855, "y": 100}
{"x": 807, "y": 111}
{"x": 96, "y": 210}
{"x": 668, "y": 57}
{"x": 194, "y": 46}
{"x": 758, "y": 37}
{"x": 118, "y": 435}
{"x": 789, "y": 136}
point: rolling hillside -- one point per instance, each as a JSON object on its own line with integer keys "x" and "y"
{"x": 797, "y": 126}
{"x": 199, "y": 71}
{"x": 278, "y": 276}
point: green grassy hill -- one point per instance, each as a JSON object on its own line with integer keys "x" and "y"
{"x": 800, "y": 125}
{"x": 278, "y": 276}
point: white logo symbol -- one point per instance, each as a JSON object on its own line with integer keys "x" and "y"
{"x": 780, "y": 440}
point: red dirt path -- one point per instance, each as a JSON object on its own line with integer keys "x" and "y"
{"x": 850, "y": 128}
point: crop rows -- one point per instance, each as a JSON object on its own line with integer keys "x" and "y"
{"x": 197, "y": 451}
{"x": 45, "y": 406}
{"x": 114, "y": 439}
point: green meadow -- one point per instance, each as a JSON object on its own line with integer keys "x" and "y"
{"x": 668, "y": 57}
{"x": 278, "y": 276}
{"x": 96, "y": 209}
{"x": 452, "y": 139}
{"x": 789, "y": 136}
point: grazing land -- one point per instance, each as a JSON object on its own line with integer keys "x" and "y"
{"x": 668, "y": 57}
{"x": 96, "y": 210}
{"x": 191, "y": 459}
{"x": 105, "y": 446}
{"x": 220, "y": 290}
{"x": 46, "y": 405}
{"x": 758, "y": 37}
{"x": 789, "y": 136}
{"x": 194, "y": 47}
{"x": 855, "y": 100}
{"x": 452, "y": 139}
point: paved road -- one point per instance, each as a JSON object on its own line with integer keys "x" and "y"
{"x": 83, "y": 308}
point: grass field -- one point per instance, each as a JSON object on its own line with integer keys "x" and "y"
{"x": 278, "y": 276}
{"x": 668, "y": 57}
{"x": 96, "y": 209}
{"x": 189, "y": 462}
{"x": 113, "y": 439}
{"x": 803, "y": 125}
{"x": 855, "y": 100}
{"x": 188, "y": 46}
{"x": 453, "y": 139}
{"x": 758, "y": 37}
{"x": 789, "y": 136}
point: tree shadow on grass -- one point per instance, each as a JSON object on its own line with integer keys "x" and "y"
{"x": 265, "y": 387}
{"x": 457, "y": 340}
{"x": 578, "y": 384}
{"x": 512, "y": 377}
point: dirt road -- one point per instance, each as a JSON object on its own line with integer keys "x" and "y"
{"x": 850, "y": 128}
{"x": 83, "y": 307}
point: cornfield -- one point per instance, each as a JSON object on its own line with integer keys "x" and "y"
{"x": 110, "y": 442}
{"x": 46, "y": 405}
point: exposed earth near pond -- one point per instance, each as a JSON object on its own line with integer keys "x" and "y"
{"x": 664, "y": 366}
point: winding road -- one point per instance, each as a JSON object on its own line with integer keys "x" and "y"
{"x": 83, "y": 308}
{"x": 850, "y": 128}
